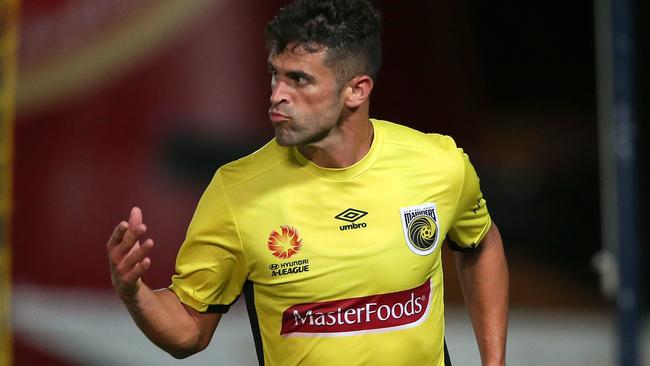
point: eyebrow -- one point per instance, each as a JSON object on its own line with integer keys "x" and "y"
{"x": 292, "y": 73}
{"x": 300, "y": 74}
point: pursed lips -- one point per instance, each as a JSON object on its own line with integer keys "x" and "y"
{"x": 277, "y": 117}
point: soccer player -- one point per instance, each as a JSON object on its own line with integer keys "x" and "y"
{"x": 333, "y": 229}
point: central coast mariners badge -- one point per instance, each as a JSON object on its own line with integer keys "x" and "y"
{"x": 420, "y": 224}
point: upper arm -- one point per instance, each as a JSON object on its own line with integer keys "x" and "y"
{"x": 206, "y": 324}
{"x": 198, "y": 327}
{"x": 490, "y": 251}
{"x": 471, "y": 220}
{"x": 211, "y": 264}
{"x": 492, "y": 238}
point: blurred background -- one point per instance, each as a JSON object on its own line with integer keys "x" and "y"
{"x": 137, "y": 102}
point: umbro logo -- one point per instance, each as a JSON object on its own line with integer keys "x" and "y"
{"x": 351, "y": 215}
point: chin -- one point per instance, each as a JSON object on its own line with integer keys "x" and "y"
{"x": 285, "y": 140}
{"x": 290, "y": 139}
{"x": 284, "y": 143}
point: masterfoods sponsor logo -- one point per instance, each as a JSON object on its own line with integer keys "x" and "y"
{"x": 383, "y": 312}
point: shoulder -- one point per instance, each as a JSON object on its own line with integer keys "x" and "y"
{"x": 409, "y": 138}
{"x": 409, "y": 142}
{"x": 261, "y": 162}
{"x": 431, "y": 151}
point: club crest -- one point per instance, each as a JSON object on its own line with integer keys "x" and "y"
{"x": 420, "y": 224}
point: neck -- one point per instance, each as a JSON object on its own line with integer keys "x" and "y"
{"x": 345, "y": 145}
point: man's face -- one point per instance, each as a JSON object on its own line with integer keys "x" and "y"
{"x": 306, "y": 100}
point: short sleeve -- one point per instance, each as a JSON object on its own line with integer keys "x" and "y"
{"x": 210, "y": 266}
{"x": 472, "y": 219}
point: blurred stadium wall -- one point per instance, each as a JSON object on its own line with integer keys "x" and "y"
{"x": 137, "y": 102}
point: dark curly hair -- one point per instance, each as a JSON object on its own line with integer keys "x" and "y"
{"x": 350, "y": 30}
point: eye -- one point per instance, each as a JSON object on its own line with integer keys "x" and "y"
{"x": 272, "y": 71}
{"x": 273, "y": 74}
{"x": 300, "y": 78}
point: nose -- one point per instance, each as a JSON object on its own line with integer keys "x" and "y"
{"x": 278, "y": 93}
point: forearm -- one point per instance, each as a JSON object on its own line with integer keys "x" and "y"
{"x": 165, "y": 321}
{"x": 484, "y": 281}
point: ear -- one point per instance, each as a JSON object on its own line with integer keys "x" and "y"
{"x": 357, "y": 91}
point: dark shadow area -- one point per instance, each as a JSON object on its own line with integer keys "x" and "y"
{"x": 644, "y": 140}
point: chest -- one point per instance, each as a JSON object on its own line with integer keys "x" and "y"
{"x": 346, "y": 237}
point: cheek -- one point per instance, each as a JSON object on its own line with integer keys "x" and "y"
{"x": 316, "y": 103}
{"x": 320, "y": 103}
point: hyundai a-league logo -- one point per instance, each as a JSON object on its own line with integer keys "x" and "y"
{"x": 420, "y": 224}
{"x": 285, "y": 243}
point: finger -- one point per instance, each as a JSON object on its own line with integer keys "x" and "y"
{"x": 121, "y": 266}
{"x": 135, "y": 229}
{"x": 117, "y": 255}
{"x": 135, "y": 218}
{"x": 136, "y": 255}
{"x": 129, "y": 240}
{"x": 118, "y": 234}
{"x": 138, "y": 270}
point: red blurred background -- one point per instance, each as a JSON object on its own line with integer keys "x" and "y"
{"x": 137, "y": 102}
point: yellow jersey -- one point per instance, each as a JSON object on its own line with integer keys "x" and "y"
{"x": 339, "y": 266}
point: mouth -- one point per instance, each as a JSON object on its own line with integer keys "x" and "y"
{"x": 276, "y": 117}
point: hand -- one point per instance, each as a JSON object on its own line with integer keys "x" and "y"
{"x": 127, "y": 257}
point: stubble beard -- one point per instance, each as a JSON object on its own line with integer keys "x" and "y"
{"x": 288, "y": 136}
{"x": 300, "y": 134}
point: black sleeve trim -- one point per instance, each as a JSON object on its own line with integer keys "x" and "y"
{"x": 457, "y": 248}
{"x": 218, "y": 309}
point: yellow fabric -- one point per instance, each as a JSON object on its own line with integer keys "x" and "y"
{"x": 8, "y": 58}
{"x": 406, "y": 175}
{"x": 472, "y": 219}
